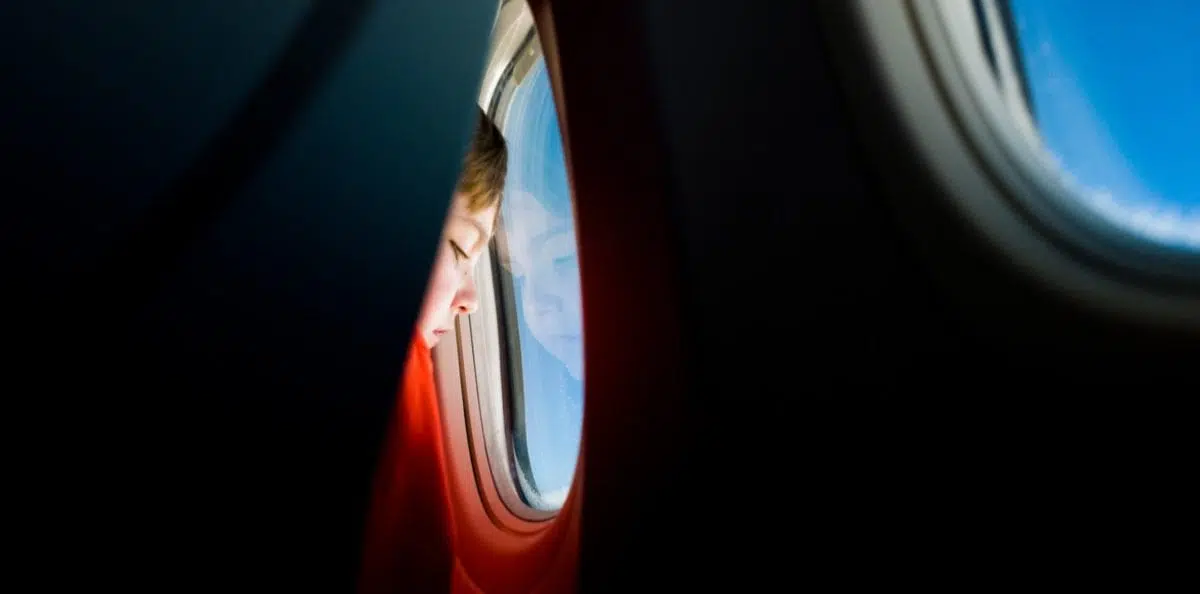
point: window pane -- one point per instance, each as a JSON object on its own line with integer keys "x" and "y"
{"x": 536, "y": 240}
{"x": 1115, "y": 90}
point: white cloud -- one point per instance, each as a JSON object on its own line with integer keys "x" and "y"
{"x": 1089, "y": 161}
{"x": 556, "y": 497}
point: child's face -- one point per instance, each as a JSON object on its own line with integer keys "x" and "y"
{"x": 540, "y": 254}
{"x": 451, "y": 288}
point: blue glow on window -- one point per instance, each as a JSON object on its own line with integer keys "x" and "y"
{"x": 539, "y": 238}
{"x": 1115, "y": 87}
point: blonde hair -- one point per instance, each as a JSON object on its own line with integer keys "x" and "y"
{"x": 485, "y": 166}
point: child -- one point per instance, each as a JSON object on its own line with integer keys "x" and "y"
{"x": 409, "y": 535}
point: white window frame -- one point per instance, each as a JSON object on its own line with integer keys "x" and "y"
{"x": 978, "y": 141}
{"x": 472, "y": 365}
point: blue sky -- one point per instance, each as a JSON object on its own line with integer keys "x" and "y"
{"x": 540, "y": 234}
{"x": 1116, "y": 90}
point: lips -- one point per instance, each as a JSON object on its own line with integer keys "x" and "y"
{"x": 439, "y": 332}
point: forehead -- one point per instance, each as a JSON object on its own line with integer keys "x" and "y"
{"x": 482, "y": 220}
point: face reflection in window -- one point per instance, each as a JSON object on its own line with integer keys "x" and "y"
{"x": 541, "y": 257}
{"x": 535, "y": 242}
{"x": 537, "y": 223}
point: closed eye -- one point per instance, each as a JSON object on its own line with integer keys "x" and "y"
{"x": 459, "y": 254}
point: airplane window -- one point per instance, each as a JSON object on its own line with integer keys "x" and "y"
{"x": 1114, "y": 88}
{"x": 539, "y": 296}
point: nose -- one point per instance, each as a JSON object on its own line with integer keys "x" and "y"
{"x": 466, "y": 301}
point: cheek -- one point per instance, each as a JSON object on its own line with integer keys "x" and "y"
{"x": 443, "y": 284}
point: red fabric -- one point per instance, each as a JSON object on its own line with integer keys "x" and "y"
{"x": 409, "y": 535}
